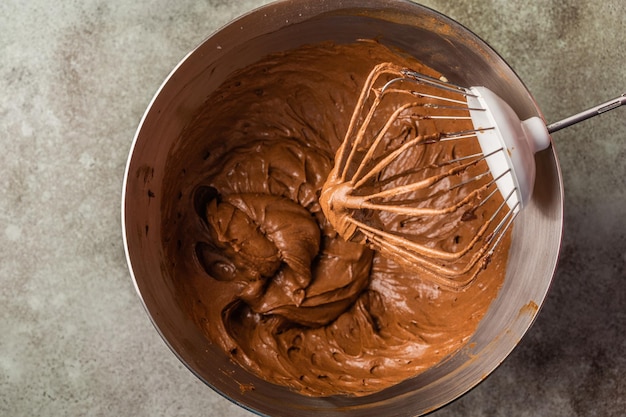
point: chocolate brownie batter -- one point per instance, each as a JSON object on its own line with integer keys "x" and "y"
{"x": 257, "y": 264}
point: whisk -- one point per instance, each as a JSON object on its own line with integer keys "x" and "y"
{"x": 401, "y": 185}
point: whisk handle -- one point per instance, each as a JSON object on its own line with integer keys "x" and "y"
{"x": 584, "y": 115}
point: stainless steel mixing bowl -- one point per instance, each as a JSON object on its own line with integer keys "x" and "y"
{"x": 432, "y": 38}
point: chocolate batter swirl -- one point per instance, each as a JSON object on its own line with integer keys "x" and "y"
{"x": 265, "y": 228}
{"x": 259, "y": 267}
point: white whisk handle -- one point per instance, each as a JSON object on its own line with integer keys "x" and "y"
{"x": 509, "y": 145}
{"x": 537, "y": 133}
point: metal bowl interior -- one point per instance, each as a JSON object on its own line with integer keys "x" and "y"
{"x": 432, "y": 38}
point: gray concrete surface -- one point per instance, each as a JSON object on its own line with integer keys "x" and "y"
{"x": 75, "y": 78}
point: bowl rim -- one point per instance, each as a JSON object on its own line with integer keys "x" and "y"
{"x": 312, "y": 12}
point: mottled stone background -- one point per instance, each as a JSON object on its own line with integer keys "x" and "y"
{"x": 75, "y": 78}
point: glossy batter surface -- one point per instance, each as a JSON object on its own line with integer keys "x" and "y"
{"x": 257, "y": 264}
